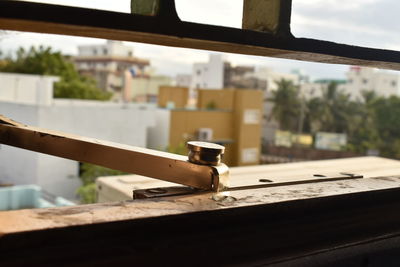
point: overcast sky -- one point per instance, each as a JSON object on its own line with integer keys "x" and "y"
{"x": 359, "y": 22}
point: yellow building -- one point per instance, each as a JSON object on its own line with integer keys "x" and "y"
{"x": 228, "y": 117}
{"x": 172, "y": 97}
{"x": 145, "y": 88}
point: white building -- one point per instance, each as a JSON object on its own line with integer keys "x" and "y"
{"x": 107, "y": 64}
{"x": 183, "y": 80}
{"x": 29, "y": 99}
{"x": 111, "y": 48}
{"x": 311, "y": 90}
{"x": 208, "y": 75}
{"x": 27, "y": 89}
{"x": 383, "y": 83}
{"x": 272, "y": 77}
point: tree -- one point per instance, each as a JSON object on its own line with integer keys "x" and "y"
{"x": 335, "y": 108}
{"x": 286, "y": 105}
{"x": 387, "y": 121}
{"x": 43, "y": 61}
{"x": 363, "y": 133}
{"x": 89, "y": 174}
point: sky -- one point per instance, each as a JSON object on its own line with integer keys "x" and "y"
{"x": 370, "y": 23}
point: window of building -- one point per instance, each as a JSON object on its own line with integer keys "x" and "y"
{"x": 365, "y": 81}
{"x": 350, "y": 80}
{"x": 394, "y": 83}
{"x": 94, "y": 51}
{"x": 198, "y": 72}
{"x": 105, "y": 51}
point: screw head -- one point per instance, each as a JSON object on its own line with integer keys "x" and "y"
{"x": 205, "y": 153}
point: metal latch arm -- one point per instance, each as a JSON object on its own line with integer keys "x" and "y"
{"x": 147, "y": 162}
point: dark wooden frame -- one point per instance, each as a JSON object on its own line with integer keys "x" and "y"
{"x": 353, "y": 229}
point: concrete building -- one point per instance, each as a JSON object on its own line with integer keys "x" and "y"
{"x": 217, "y": 73}
{"x": 271, "y": 77}
{"x": 173, "y": 97}
{"x": 208, "y": 75}
{"x": 226, "y": 75}
{"x": 360, "y": 79}
{"x": 316, "y": 89}
{"x": 107, "y": 64}
{"x": 234, "y": 76}
{"x": 27, "y": 89}
{"x": 29, "y": 99}
{"x": 233, "y": 120}
{"x": 144, "y": 89}
{"x": 183, "y": 80}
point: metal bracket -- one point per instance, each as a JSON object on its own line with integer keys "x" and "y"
{"x": 164, "y": 192}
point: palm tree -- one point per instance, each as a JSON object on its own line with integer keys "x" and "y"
{"x": 286, "y": 105}
{"x": 335, "y": 110}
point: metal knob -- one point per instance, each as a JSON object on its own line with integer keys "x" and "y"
{"x": 205, "y": 153}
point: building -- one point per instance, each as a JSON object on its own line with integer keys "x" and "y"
{"x": 29, "y": 99}
{"x": 173, "y": 97}
{"x": 234, "y": 76}
{"x": 271, "y": 77}
{"x": 228, "y": 117}
{"x": 360, "y": 79}
{"x": 183, "y": 80}
{"x": 208, "y": 75}
{"x": 107, "y": 63}
{"x": 218, "y": 73}
{"x": 145, "y": 88}
{"x": 28, "y": 197}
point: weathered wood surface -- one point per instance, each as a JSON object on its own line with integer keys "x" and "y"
{"x": 119, "y": 188}
{"x": 41, "y": 219}
{"x": 322, "y": 224}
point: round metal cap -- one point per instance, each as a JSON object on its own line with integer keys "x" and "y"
{"x": 205, "y": 153}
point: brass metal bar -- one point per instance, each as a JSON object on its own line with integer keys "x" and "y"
{"x": 156, "y": 164}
